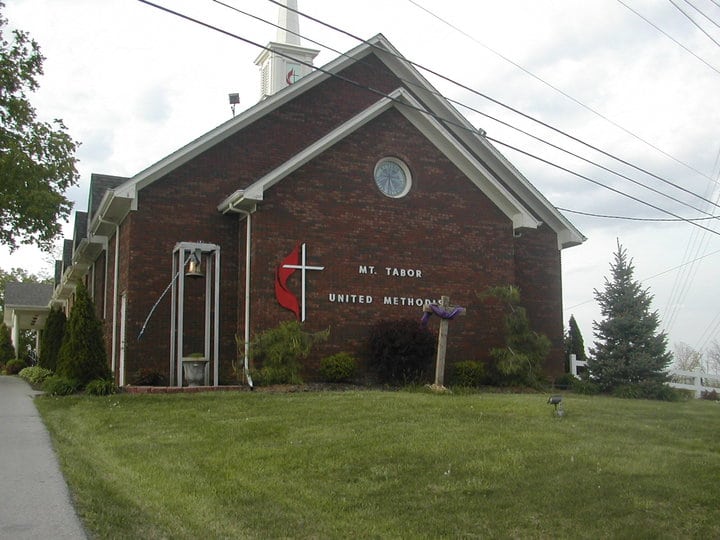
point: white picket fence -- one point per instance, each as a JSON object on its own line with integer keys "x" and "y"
{"x": 696, "y": 381}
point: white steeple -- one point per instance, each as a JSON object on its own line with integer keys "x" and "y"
{"x": 284, "y": 61}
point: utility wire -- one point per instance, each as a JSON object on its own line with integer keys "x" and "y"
{"x": 516, "y": 111}
{"x": 701, "y": 13}
{"x": 663, "y": 32}
{"x": 419, "y": 109}
{"x": 631, "y": 218}
{"x": 694, "y": 22}
{"x": 502, "y": 122}
{"x": 568, "y": 96}
{"x": 667, "y": 271}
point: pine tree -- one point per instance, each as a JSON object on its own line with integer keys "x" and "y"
{"x": 574, "y": 343}
{"x": 52, "y": 338}
{"x": 7, "y": 351}
{"x": 82, "y": 355}
{"x": 628, "y": 348}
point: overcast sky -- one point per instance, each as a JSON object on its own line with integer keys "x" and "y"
{"x": 133, "y": 84}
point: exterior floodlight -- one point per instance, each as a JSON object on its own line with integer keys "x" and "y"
{"x": 194, "y": 268}
{"x": 234, "y": 100}
{"x": 557, "y": 402}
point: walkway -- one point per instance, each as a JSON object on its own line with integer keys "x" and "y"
{"x": 34, "y": 498}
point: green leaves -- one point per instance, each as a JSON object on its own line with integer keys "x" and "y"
{"x": 37, "y": 162}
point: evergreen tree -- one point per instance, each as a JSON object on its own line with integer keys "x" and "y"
{"x": 52, "y": 338}
{"x": 7, "y": 351}
{"x": 82, "y": 354}
{"x": 628, "y": 348}
{"x": 574, "y": 343}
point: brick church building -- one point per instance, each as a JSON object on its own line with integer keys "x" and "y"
{"x": 348, "y": 194}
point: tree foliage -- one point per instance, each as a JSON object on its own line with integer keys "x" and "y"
{"x": 52, "y": 339}
{"x": 628, "y": 348}
{"x": 7, "y": 351}
{"x": 82, "y": 355}
{"x": 574, "y": 343}
{"x": 401, "y": 351}
{"x": 520, "y": 362}
{"x": 37, "y": 162}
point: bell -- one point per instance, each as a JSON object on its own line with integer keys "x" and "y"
{"x": 194, "y": 268}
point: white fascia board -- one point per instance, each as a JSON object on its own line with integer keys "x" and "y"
{"x": 319, "y": 146}
{"x": 427, "y": 125}
{"x": 467, "y": 163}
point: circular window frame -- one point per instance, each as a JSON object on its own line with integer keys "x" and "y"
{"x": 405, "y": 169}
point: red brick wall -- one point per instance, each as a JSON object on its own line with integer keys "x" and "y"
{"x": 444, "y": 227}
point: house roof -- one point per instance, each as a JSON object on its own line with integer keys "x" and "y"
{"x": 28, "y": 302}
{"x": 450, "y": 131}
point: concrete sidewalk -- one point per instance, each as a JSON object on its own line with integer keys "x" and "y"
{"x": 34, "y": 498}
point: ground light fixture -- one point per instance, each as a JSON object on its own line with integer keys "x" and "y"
{"x": 557, "y": 402}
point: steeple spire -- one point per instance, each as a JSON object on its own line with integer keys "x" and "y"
{"x": 289, "y": 26}
{"x": 285, "y": 61}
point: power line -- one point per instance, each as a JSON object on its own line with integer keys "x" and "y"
{"x": 419, "y": 109}
{"x": 502, "y": 122}
{"x": 631, "y": 218}
{"x": 701, "y": 13}
{"x": 583, "y": 105}
{"x": 516, "y": 111}
{"x": 694, "y": 22}
{"x": 663, "y": 32}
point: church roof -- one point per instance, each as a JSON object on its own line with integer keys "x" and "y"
{"x": 449, "y": 130}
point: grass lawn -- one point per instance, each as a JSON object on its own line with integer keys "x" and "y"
{"x": 388, "y": 464}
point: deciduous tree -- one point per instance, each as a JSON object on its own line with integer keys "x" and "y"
{"x": 37, "y": 159}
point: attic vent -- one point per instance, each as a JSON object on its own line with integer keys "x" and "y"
{"x": 265, "y": 80}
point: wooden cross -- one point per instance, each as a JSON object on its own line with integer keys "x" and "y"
{"x": 442, "y": 342}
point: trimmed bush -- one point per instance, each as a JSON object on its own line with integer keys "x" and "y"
{"x": 59, "y": 386}
{"x": 339, "y": 367}
{"x": 401, "y": 351}
{"x": 101, "y": 387}
{"x": 469, "y": 374}
{"x": 52, "y": 338}
{"x": 7, "y": 351}
{"x": 14, "y": 366}
{"x": 82, "y": 354}
{"x": 35, "y": 374}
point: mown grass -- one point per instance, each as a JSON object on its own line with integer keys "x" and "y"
{"x": 388, "y": 464}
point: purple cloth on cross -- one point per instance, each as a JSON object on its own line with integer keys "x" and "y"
{"x": 441, "y": 312}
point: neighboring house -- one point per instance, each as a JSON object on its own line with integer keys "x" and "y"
{"x": 362, "y": 176}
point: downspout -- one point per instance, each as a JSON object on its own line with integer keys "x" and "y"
{"x": 116, "y": 273}
{"x": 246, "y": 337}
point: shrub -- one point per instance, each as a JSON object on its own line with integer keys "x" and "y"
{"x": 82, "y": 355}
{"x": 339, "y": 367}
{"x": 712, "y": 395}
{"x": 59, "y": 386}
{"x": 520, "y": 362}
{"x": 566, "y": 381}
{"x": 7, "y": 351}
{"x": 270, "y": 375}
{"x": 14, "y": 366}
{"x": 279, "y": 352}
{"x": 35, "y": 374}
{"x": 101, "y": 387}
{"x": 468, "y": 374}
{"x": 585, "y": 386}
{"x": 52, "y": 338}
{"x": 401, "y": 351}
{"x": 148, "y": 377}
{"x": 648, "y": 390}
